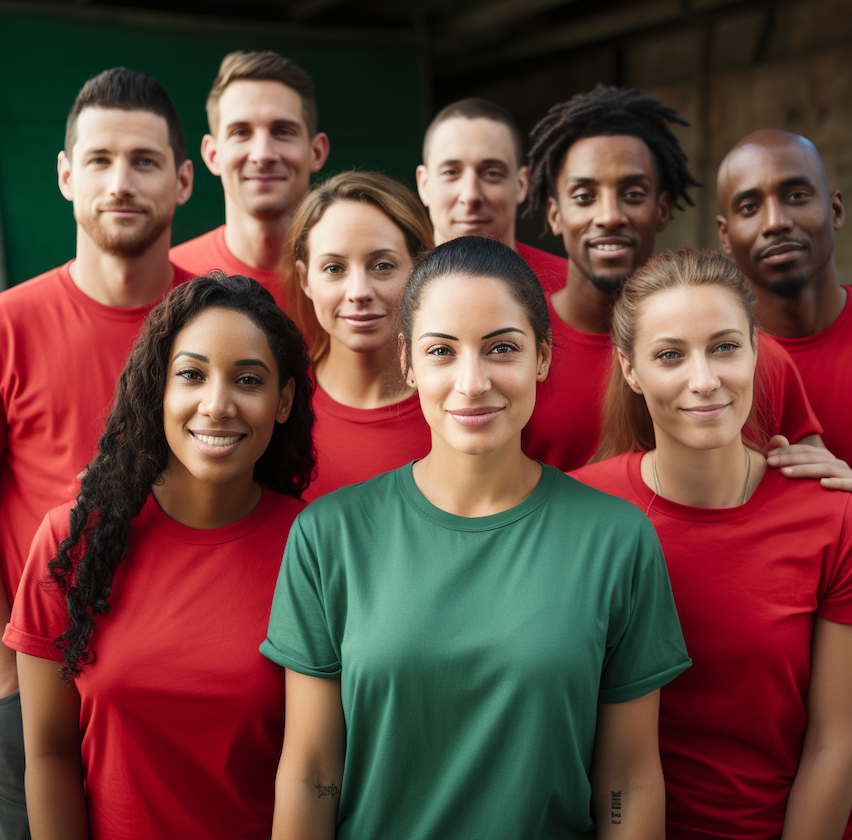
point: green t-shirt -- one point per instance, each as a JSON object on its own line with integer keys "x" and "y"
{"x": 473, "y": 652}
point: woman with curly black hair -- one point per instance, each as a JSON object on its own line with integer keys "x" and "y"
{"x": 152, "y": 589}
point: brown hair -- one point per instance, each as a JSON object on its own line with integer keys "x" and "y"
{"x": 263, "y": 66}
{"x": 627, "y": 425}
{"x": 395, "y": 200}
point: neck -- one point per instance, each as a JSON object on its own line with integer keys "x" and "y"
{"x": 205, "y": 506}
{"x": 582, "y": 306}
{"x": 476, "y": 485}
{"x": 361, "y": 380}
{"x": 703, "y": 478}
{"x": 815, "y": 308}
{"x": 259, "y": 243}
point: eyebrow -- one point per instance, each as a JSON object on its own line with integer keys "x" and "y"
{"x": 150, "y": 152}
{"x": 754, "y": 192}
{"x": 238, "y": 363}
{"x": 483, "y": 162}
{"x": 371, "y": 254}
{"x": 715, "y": 335}
{"x": 585, "y": 179}
{"x": 278, "y": 121}
{"x": 485, "y": 337}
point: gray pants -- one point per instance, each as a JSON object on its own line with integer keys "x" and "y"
{"x": 13, "y": 809}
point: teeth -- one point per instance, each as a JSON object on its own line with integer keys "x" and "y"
{"x": 218, "y": 441}
{"x": 608, "y": 247}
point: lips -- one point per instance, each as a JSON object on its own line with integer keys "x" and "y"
{"x": 216, "y": 444}
{"x": 363, "y": 320}
{"x": 706, "y": 412}
{"x": 610, "y": 247}
{"x": 479, "y": 416}
{"x": 781, "y": 252}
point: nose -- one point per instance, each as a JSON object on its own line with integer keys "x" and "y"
{"x": 262, "y": 147}
{"x": 217, "y": 401}
{"x": 472, "y": 378}
{"x": 471, "y": 192}
{"x": 121, "y": 180}
{"x": 610, "y": 213}
{"x": 775, "y": 218}
{"x": 358, "y": 285}
{"x": 703, "y": 379}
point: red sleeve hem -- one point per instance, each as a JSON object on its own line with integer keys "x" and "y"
{"x": 31, "y": 645}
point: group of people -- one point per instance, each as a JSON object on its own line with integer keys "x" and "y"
{"x": 462, "y": 640}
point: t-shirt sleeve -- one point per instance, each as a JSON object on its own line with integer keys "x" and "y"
{"x": 39, "y": 614}
{"x": 782, "y": 403}
{"x": 835, "y": 596}
{"x": 645, "y": 649}
{"x": 299, "y": 637}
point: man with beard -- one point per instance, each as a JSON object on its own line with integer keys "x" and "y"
{"x": 778, "y": 221}
{"x": 264, "y": 145}
{"x": 64, "y": 335}
{"x": 607, "y": 171}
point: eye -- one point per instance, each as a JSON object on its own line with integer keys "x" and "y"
{"x": 635, "y": 195}
{"x": 332, "y": 268}
{"x": 493, "y": 175}
{"x": 440, "y": 350}
{"x": 145, "y": 163}
{"x": 384, "y": 265}
{"x": 284, "y": 131}
{"x": 502, "y": 348}
{"x": 668, "y": 355}
{"x": 798, "y": 195}
{"x": 726, "y": 347}
{"x": 583, "y": 197}
{"x": 748, "y": 208}
{"x": 190, "y": 374}
{"x": 448, "y": 172}
{"x": 249, "y": 379}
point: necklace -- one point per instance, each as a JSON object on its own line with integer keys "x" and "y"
{"x": 747, "y": 481}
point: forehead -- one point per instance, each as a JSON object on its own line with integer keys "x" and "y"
{"x": 354, "y": 223}
{"x": 767, "y": 168}
{"x": 469, "y": 302}
{"x": 471, "y": 141}
{"x": 690, "y": 312}
{"x": 260, "y": 101}
{"x": 608, "y": 159}
{"x": 116, "y": 129}
{"x": 223, "y": 330}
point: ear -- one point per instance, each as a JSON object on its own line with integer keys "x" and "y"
{"x": 523, "y": 183}
{"x": 722, "y": 228}
{"x": 838, "y": 211}
{"x": 553, "y": 217}
{"x": 629, "y": 373}
{"x": 407, "y": 372}
{"x": 302, "y": 273}
{"x": 422, "y": 177}
{"x": 320, "y": 148}
{"x": 63, "y": 170}
{"x": 664, "y": 209}
{"x": 209, "y": 153}
{"x": 285, "y": 401}
{"x": 185, "y": 175}
{"x": 545, "y": 357}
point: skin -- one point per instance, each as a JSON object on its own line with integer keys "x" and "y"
{"x": 355, "y": 274}
{"x": 471, "y": 180}
{"x": 264, "y": 153}
{"x": 608, "y": 210}
{"x": 125, "y": 187}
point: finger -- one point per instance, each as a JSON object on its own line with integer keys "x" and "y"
{"x": 795, "y": 455}
{"x": 777, "y": 442}
{"x": 837, "y": 484}
{"x": 816, "y": 471}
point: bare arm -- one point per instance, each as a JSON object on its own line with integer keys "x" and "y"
{"x": 310, "y": 773}
{"x": 628, "y": 792}
{"x": 56, "y": 804}
{"x": 821, "y": 796}
{"x": 809, "y": 459}
{"x": 8, "y": 668}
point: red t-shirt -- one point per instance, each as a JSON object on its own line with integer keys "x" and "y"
{"x": 60, "y": 356}
{"x": 552, "y": 271}
{"x": 209, "y": 251}
{"x": 181, "y": 717}
{"x": 747, "y": 583}
{"x": 354, "y": 444}
{"x": 825, "y": 362}
{"x": 565, "y": 426}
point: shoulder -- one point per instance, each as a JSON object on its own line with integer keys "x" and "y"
{"x": 32, "y": 294}
{"x": 354, "y": 501}
{"x": 610, "y": 476}
{"x": 193, "y": 245}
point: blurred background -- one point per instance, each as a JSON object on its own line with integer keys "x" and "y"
{"x": 384, "y": 67}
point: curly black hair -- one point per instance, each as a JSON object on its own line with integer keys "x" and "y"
{"x": 133, "y": 452}
{"x": 607, "y": 111}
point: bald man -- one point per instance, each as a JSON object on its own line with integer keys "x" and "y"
{"x": 778, "y": 221}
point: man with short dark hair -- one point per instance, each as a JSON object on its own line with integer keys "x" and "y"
{"x": 778, "y": 222}
{"x": 607, "y": 171}
{"x": 472, "y": 180}
{"x": 64, "y": 335}
{"x": 264, "y": 145}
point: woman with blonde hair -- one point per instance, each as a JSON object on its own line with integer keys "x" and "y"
{"x": 353, "y": 243}
{"x": 756, "y": 738}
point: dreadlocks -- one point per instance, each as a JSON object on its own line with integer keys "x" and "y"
{"x": 607, "y": 111}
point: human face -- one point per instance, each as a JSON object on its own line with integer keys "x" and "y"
{"x": 471, "y": 182}
{"x": 608, "y": 209}
{"x": 263, "y": 150}
{"x": 779, "y": 216}
{"x": 475, "y": 362}
{"x": 122, "y": 179}
{"x": 222, "y": 400}
{"x": 358, "y": 264}
{"x": 694, "y": 364}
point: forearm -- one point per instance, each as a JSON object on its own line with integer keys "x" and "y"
{"x": 631, "y": 810}
{"x": 305, "y": 810}
{"x": 8, "y": 667}
{"x": 56, "y": 803}
{"x": 821, "y": 796}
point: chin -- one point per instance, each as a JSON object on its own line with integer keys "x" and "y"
{"x": 609, "y": 285}
{"x": 788, "y": 287}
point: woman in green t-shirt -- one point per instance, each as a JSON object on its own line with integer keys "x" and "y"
{"x": 474, "y": 642}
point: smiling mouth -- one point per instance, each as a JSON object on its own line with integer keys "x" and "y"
{"x": 480, "y": 416}
{"x": 706, "y": 411}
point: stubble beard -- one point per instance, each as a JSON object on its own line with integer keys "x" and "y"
{"x": 127, "y": 240}
{"x": 609, "y": 285}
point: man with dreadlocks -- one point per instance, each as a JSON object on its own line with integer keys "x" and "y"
{"x": 607, "y": 171}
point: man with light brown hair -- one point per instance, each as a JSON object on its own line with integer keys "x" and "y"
{"x": 264, "y": 145}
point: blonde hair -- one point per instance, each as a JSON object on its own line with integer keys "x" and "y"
{"x": 394, "y": 199}
{"x": 627, "y": 424}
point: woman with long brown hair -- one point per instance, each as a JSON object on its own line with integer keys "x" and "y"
{"x": 756, "y": 738}
{"x": 353, "y": 243}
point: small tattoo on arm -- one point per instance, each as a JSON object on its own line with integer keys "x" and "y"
{"x": 327, "y": 790}
{"x": 616, "y": 807}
